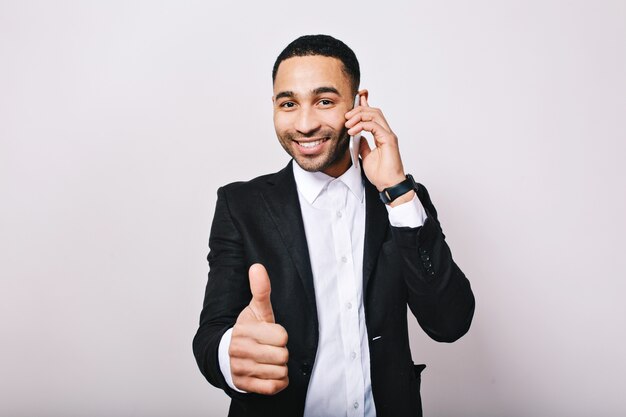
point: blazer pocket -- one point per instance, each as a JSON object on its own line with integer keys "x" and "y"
{"x": 416, "y": 398}
{"x": 417, "y": 370}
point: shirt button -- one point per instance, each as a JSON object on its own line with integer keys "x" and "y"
{"x": 353, "y": 356}
{"x": 355, "y": 405}
{"x": 344, "y": 259}
{"x": 348, "y": 306}
{"x": 339, "y": 214}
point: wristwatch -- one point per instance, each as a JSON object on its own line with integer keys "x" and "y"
{"x": 391, "y": 193}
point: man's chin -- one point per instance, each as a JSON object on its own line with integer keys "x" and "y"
{"x": 330, "y": 167}
{"x": 311, "y": 164}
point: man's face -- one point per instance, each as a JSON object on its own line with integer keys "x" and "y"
{"x": 312, "y": 94}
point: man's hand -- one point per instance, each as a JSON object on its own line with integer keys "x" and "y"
{"x": 258, "y": 352}
{"x": 382, "y": 165}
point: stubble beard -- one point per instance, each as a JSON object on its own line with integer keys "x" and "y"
{"x": 339, "y": 146}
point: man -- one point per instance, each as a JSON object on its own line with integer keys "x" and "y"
{"x": 311, "y": 272}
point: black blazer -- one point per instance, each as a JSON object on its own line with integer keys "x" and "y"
{"x": 261, "y": 221}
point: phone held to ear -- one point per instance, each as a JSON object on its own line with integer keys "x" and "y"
{"x": 355, "y": 141}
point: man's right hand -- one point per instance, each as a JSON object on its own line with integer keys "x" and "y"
{"x": 258, "y": 347}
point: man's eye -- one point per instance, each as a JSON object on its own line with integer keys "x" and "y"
{"x": 288, "y": 104}
{"x": 325, "y": 102}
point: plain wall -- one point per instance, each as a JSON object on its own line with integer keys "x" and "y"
{"x": 119, "y": 120}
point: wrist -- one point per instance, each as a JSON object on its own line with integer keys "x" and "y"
{"x": 405, "y": 198}
{"x": 391, "y": 181}
{"x": 398, "y": 192}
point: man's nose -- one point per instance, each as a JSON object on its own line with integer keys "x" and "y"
{"x": 307, "y": 121}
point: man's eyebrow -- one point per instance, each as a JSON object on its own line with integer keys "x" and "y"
{"x": 284, "y": 94}
{"x": 322, "y": 90}
{"x": 317, "y": 91}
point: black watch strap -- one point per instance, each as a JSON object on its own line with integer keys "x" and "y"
{"x": 391, "y": 193}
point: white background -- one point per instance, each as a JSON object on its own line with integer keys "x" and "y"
{"x": 119, "y": 120}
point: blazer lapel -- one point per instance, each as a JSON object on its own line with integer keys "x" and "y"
{"x": 376, "y": 226}
{"x": 283, "y": 205}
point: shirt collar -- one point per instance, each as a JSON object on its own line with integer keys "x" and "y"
{"x": 311, "y": 184}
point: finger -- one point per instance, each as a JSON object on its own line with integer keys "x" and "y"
{"x": 367, "y": 114}
{"x": 363, "y": 100}
{"x": 381, "y": 135}
{"x": 270, "y": 355}
{"x": 264, "y": 371}
{"x": 247, "y": 367}
{"x": 244, "y": 348}
{"x": 262, "y": 386}
{"x": 261, "y": 289}
{"x": 264, "y": 333}
{"x": 358, "y": 117}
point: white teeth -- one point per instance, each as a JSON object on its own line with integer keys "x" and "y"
{"x": 310, "y": 144}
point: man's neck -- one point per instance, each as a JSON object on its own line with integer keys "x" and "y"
{"x": 339, "y": 167}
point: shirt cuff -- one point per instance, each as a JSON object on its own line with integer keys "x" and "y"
{"x": 224, "y": 359}
{"x": 409, "y": 214}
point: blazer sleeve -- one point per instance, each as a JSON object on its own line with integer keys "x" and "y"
{"x": 227, "y": 292}
{"x": 439, "y": 294}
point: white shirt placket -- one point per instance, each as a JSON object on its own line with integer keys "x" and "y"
{"x": 349, "y": 290}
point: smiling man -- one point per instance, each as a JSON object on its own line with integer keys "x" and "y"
{"x": 312, "y": 268}
{"x": 312, "y": 95}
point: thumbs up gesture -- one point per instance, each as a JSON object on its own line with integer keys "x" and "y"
{"x": 258, "y": 352}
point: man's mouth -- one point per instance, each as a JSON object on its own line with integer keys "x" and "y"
{"x": 311, "y": 144}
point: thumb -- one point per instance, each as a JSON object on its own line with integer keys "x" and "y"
{"x": 260, "y": 288}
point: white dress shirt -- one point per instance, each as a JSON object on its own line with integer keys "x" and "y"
{"x": 333, "y": 212}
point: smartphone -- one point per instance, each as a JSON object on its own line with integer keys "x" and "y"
{"x": 355, "y": 141}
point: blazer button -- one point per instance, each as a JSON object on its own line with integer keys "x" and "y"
{"x": 306, "y": 369}
{"x": 425, "y": 258}
{"x": 423, "y": 251}
{"x": 427, "y": 264}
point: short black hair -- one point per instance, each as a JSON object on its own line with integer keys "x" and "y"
{"x": 323, "y": 45}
